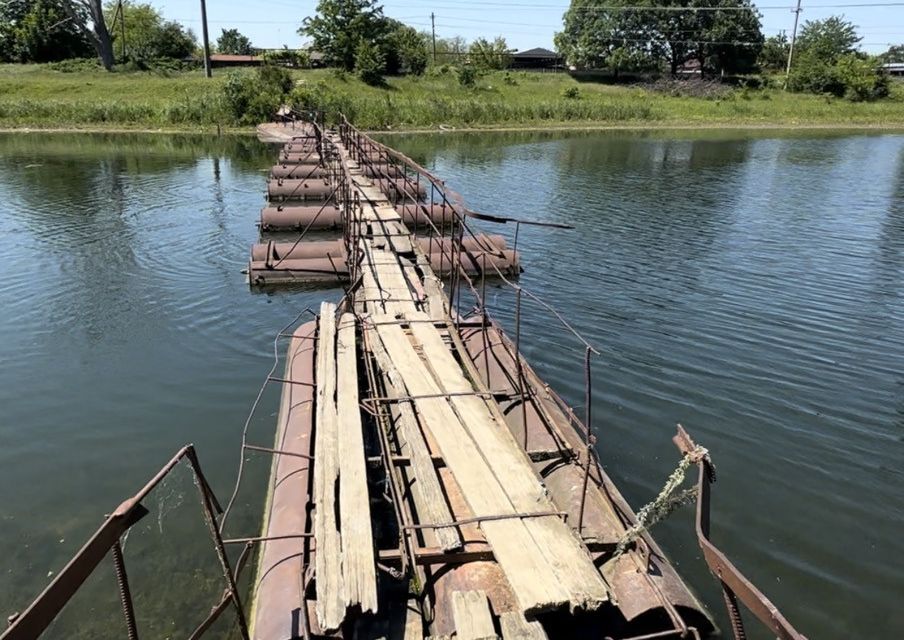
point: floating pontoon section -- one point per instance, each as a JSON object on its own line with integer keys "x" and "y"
{"x": 468, "y": 517}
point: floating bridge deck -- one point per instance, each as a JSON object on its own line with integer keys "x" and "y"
{"x": 426, "y": 481}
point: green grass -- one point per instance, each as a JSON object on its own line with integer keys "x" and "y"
{"x": 37, "y": 96}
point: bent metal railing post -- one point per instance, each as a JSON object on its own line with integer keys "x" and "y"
{"x": 31, "y": 623}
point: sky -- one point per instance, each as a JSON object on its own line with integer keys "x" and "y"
{"x": 525, "y": 24}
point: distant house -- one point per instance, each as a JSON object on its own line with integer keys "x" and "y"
{"x": 230, "y": 60}
{"x": 537, "y": 58}
{"x": 894, "y": 68}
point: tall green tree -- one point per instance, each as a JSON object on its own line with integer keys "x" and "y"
{"x": 452, "y": 50}
{"x": 404, "y": 49}
{"x": 774, "y": 54}
{"x": 729, "y": 41}
{"x": 40, "y": 31}
{"x": 895, "y": 53}
{"x": 490, "y": 54}
{"x": 147, "y": 35}
{"x": 340, "y": 26}
{"x": 829, "y": 39}
{"x": 597, "y": 37}
{"x": 233, "y": 42}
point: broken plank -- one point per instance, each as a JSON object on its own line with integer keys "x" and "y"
{"x": 471, "y": 612}
{"x": 327, "y": 559}
{"x": 358, "y": 562}
{"x": 516, "y": 627}
{"x": 428, "y": 493}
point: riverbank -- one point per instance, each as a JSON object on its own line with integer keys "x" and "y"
{"x": 38, "y": 97}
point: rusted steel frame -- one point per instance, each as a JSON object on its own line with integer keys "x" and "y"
{"x": 424, "y": 396}
{"x": 287, "y": 381}
{"x": 478, "y": 519}
{"x": 505, "y": 219}
{"x": 211, "y": 508}
{"x": 38, "y": 616}
{"x": 223, "y": 604}
{"x": 280, "y": 452}
{"x": 256, "y": 539}
{"x": 519, "y": 371}
{"x": 260, "y": 392}
{"x": 435, "y": 555}
{"x": 681, "y": 633}
{"x": 733, "y": 581}
{"x": 125, "y": 595}
{"x": 590, "y": 439}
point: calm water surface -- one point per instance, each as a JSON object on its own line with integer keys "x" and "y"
{"x": 749, "y": 288}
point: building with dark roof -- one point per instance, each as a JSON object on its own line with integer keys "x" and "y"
{"x": 537, "y": 58}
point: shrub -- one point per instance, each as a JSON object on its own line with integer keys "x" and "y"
{"x": 571, "y": 93}
{"x": 509, "y": 79}
{"x": 467, "y": 76}
{"x": 75, "y": 65}
{"x": 369, "y": 63}
{"x": 249, "y": 98}
{"x": 851, "y": 76}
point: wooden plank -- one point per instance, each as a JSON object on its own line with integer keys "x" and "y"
{"x": 572, "y": 565}
{"x": 428, "y": 493}
{"x": 515, "y": 550}
{"x": 327, "y": 559}
{"x": 358, "y": 562}
{"x": 516, "y": 627}
{"x": 471, "y": 612}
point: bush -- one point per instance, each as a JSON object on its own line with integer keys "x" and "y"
{"x": 369, "y": 63}
{"x": 249, "y": 98}
{"x": 571, "y": 93}
{"x": 467, "y": 76}
{"x": 850, "y": 76}
{"x": 509, "y": 79}
{"x": 75, "y": 65}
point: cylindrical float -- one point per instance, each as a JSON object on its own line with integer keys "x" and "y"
{"x": 280, "y": 189}
{"x": 306, "y": 249}
{"x": 287, "y": 218}
{"x": 401, "y": 189}
{"x": 298, "y": 171}
{"x": 416, "y": 216}
{"x": 299, "y": 157}
{"x": 332, "y": 268}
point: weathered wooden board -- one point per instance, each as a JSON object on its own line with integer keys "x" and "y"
{"x": 327, "y": 559}
{"x": 473, "y": 620}
{"x": 429, "y": 497}
{"x": 358, "y": 562}
{"x": 516, "y": 627}
{"x": 572, "y": 566}
{"x": 514, "y": 548}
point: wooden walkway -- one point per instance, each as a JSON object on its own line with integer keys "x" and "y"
{"x": 403, "y": 318}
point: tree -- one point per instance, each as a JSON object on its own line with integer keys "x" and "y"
{"x": 829, "y": 39}
{"x": 340, "y": 26}
{"x": 728, "y": 41}
{"x": 774, "y": 54}
{"x": 639, "y": 33}
{"x": 596, "y": 37}
{"x": 148, "y": 36}
{"x": 88, "y": 16}
{"x": 369, "y": 63}
{"x": 451, "y": 50}
{"x": 40, "y": 31}
{"x": 484, "y": 54}
{"x": 233, "y": 42}
{"x": 404, "y": 49}
{"x": 895, "y": 53}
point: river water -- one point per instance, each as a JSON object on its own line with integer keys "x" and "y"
{"x": 750, "y": 287}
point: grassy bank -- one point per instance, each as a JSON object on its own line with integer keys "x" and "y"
{"x": 37, "y": 96}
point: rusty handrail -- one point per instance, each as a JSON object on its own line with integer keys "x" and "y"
{"x": 735, "y": 585}
{"x": 32, "y": 622}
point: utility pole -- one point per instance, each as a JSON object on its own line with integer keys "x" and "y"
{"x": 206, "y": 39}
{"x": 793, "y": 39}
{"x": 122, "y": 30}
{"x": 433, "y": 31}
